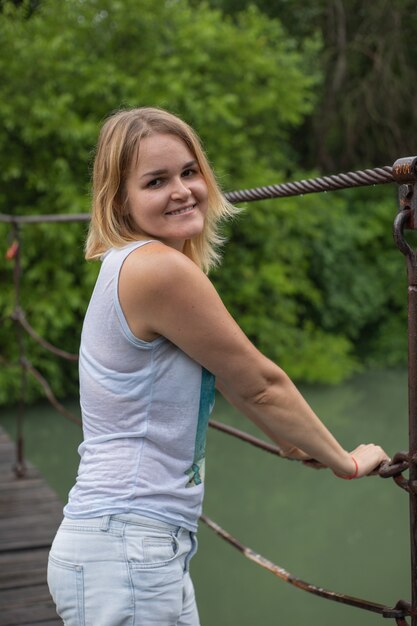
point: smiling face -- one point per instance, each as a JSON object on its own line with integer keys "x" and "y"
{"x": 167, "y": 196}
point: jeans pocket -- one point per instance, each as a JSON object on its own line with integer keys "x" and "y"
{"x": 159, "y": 550}
{"x": 66, "y": 585}
{"x": 152, "y": 551}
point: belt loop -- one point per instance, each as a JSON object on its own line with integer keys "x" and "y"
{"x": 105, "y": 523}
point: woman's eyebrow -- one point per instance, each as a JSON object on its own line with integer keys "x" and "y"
{"x": 190, "y": 164}
{"x": 164, "y": 171}
{"x": 154, "y": 173}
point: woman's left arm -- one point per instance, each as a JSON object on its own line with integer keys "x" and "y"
{"x": 288, "y": 450}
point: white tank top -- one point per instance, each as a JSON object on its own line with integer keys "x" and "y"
{"x": 145, "y": 409}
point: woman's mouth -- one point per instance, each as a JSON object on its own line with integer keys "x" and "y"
{"x": 186, "y": 209}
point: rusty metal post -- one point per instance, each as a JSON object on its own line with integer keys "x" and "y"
{"x": 20, "y": 466}
{"x": 405, "y": 170}
{"x": 412, "y": 424}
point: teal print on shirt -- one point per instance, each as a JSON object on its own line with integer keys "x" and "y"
{"x": 207, "y": 395}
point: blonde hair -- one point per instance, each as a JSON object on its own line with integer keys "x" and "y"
{"x": 111, "y": 224}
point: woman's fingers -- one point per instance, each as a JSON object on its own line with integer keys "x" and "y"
{"x": 368, "y": 457}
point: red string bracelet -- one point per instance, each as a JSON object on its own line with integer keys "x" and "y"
{"x": 355, "y": 473}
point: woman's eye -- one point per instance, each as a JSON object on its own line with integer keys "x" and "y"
{"x": 189, "y": 172}
{"x": 154, "y": 183}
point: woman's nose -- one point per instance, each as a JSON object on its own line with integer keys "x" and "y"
{"x": 180, "y": 190}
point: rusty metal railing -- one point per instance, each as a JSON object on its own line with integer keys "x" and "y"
{"x": 404, "y": 173}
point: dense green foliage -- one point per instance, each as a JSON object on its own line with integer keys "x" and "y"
{"x": 363, "y": 114}
{"x": 314, "y": 281}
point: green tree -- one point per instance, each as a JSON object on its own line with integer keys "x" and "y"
{"x": 242, "y": 83}
{"x": 364, "y": 113}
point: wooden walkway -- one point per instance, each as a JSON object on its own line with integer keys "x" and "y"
{"x": 30, "y": 513}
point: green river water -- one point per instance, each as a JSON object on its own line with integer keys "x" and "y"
{"x": 351, "y": 537}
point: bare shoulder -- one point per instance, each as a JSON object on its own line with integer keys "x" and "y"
{"x": 158, "y": 283}
{"x": 157, "y": 266}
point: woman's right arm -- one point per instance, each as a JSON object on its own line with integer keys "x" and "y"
{"x": 163, "y": 292}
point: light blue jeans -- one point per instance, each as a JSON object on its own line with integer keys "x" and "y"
{"x": 122, "y": 570}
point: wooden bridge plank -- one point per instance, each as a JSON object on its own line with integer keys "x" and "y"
{"x": 21, "y": 568}
{"x": 35, "y": 613}
{"x": 30, "y": 513}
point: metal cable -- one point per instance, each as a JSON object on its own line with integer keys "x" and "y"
{"x": 280, "y": 572}
{"x": 377, "y": 176}
{"x": 48, "y": 392}
{"x": 18, "y": 315}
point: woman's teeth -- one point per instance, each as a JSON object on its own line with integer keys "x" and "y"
{"x": 186, "y": 210}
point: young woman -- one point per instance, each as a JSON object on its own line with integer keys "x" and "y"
{"x": 155, "y": 341}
